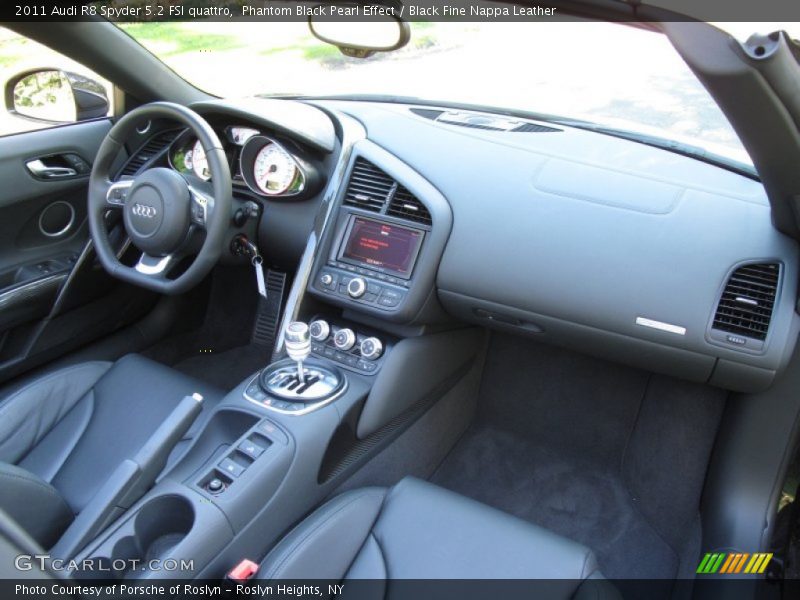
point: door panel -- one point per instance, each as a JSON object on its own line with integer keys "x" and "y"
{"x": 53, "y": 295}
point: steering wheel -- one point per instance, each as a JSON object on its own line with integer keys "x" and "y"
{"x": 161, "y": 208}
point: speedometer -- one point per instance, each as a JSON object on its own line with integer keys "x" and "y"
{"x": 274, "y": 170}
{"x": 199, "y": 162}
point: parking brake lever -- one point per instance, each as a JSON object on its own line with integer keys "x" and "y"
{"x": 130, "y": 481}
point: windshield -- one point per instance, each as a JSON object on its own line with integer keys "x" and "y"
{"x": 611, "y": 74}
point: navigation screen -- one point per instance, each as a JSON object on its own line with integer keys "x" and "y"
{"x": 382, "y": 246}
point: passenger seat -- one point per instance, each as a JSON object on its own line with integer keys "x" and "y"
{"x": 416, "y": 530}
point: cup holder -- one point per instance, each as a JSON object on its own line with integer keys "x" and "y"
{"x": 158, "y": 527}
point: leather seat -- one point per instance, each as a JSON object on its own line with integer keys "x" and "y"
{"x": 64, "y": 433}
{"x": 417, "y": 530}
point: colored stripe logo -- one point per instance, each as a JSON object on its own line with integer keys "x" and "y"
{"x": 732, "y": 563}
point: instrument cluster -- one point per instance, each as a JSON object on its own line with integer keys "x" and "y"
{"x": 269, "y": 167}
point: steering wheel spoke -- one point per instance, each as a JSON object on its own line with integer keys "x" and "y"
{"x": 155, "y": 266}
{"x": 117, "y": 192}
{"x": 201, "y": 206}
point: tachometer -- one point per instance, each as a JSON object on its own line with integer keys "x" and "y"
{"x": 198, "y": 162}
{"x": 274, "y": 170}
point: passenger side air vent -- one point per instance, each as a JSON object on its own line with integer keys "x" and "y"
{"x": 153, "y": 147}
{"x": 405, "y": 205}
{"x": 369, "y": 188}
{"x": 745, "y": 308}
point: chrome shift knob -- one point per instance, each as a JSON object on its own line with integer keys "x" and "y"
{"x": 297, "y": 340}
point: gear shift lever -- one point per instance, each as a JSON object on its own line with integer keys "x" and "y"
{"x": 298, "y": 345}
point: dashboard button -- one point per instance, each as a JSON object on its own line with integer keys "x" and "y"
{"x": 387, "y": 293}
{"x": 351, "y": 360}
{"x": 329, "y": 352}
{"x": 329, "y": 281}
{"x": 374, "y": 288}
{"x": 357, "y": 287}
{"x": 370, "y": 297}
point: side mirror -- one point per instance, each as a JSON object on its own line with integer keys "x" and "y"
{"x": 380, "y": 32}
{"x": 55, "y": 96}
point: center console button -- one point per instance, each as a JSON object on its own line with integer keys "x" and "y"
{"x": 319, "y": 330}
{"x": 344, "y": 339}
{"x": 215, "y": 486}
{"x": 374, "y": 288}
{"x": 252, "y": 449}
{"x": 255, "y": 392}
{"x": 367, "y": 366}
{"x": 357, "y": 287}
{"x": 230, "y": 467}
{"x": 371, "y": 348}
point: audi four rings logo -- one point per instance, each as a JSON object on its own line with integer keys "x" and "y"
{"x": 143, "y": 210}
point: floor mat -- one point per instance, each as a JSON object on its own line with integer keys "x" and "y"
{"x": 609, "y": 456}
{"x": 574, "y": 499}
{"x": 226, "y": 369}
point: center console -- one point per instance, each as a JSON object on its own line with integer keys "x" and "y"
{"x": 373, "y": 263}
{"x": 348, "y": 381}
{"x": 380, "y": 253}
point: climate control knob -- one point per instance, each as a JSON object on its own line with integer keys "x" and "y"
{"x": 371, "y": 348}
{"x": 344, "y": 339}
{"x": 357, "y": 287}
{"x": 319, "y": 330}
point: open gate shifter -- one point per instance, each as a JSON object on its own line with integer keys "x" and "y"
{"x": 299, "y": 384}
{"x": 298, "y": 346}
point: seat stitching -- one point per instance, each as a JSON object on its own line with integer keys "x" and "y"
{"x": 303, "y": 541}
{"x": 60, "y": 373}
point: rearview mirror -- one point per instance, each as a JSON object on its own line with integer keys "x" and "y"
{"x": 360, "y": 39}
{"x": 55, "y": 96}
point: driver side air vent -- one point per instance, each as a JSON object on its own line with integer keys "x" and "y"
{"x": 150, "y": 149}
{"x": 747, "y": 301}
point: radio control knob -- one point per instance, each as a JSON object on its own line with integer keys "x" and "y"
{"x": 357, "y": 287}
{"x": 326, "y": 279}
{"x": 344, "y": 339}
{"x": 319, "y": 330}
{"x": 371, "y": 348}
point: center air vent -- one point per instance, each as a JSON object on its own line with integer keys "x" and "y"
{"x": 369, "y": 187}
{"x": 485, "y": 121}
{"x": 372, "y": 189}
{"x": 152, "y": 148}
{"x": 405, "y": 205}
{"x": 748, "y": 299}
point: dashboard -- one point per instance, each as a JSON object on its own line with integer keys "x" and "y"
{"x": 427, "y": 219}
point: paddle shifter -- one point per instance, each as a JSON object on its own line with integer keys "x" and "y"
{"x": 298, "y": 346}
{"x": 298, "y": 384}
